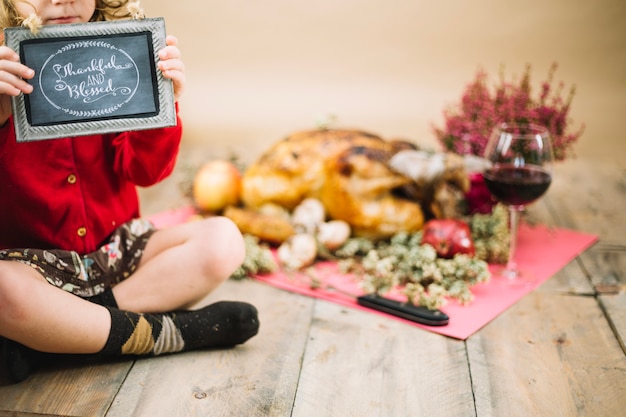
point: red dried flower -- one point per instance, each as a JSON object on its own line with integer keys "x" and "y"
{"x": 468, "y": 125}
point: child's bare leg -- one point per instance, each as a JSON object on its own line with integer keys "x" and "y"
{"x": 181, "y": 265}
{"x": 45, "y": 318}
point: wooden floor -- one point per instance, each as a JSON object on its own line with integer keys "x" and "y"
{"x": 559, "y": 351}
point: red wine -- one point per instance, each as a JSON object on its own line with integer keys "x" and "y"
{"x": 517, "y": 185}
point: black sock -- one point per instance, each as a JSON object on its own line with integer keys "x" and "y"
{"x": 19, "y": 360}
{"x": 223, "y": 324}
{"x": 105, "y": 298}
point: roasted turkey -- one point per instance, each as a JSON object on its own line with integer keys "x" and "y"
{"x": 354, "y": 175}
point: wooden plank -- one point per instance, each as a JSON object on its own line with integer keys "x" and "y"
{"x": 548, "y": 355}
{"x": 65, "y": 390}
{"x": 615, "y": 308}
{"x": 21, "y": 414}
{"x": 362, "y": 364}
{"x": 258, "y": 378}
{"x": 591, "y": 196}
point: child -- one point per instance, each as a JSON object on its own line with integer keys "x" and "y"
{"x": 80, "y": 272}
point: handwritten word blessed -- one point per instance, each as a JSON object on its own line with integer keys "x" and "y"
{"x": 94, "y": 84}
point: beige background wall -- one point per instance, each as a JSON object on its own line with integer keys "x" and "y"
{"x": 261, "y": 69}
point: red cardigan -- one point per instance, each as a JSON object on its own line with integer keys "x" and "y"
{"x": 72, "y": 193}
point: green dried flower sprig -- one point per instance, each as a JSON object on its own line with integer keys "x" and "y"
{"x": 491, "y": 235}
{"x": 404, "y": 263}
{"x": 258, "y": 259}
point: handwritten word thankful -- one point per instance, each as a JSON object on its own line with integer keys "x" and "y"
{"x": 96, "y": 65}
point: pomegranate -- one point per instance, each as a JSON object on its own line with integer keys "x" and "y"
{"x": 448, "y": 237}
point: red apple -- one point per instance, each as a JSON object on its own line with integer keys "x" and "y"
{"x": 217, "y": 184}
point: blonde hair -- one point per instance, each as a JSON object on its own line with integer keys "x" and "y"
{"x": 9, "y": 16}
{"x": 105, "y": 10}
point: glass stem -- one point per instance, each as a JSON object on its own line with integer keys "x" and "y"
{"x": 511, "y": 265}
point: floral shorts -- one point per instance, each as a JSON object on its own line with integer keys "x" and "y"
{"x": 90, "y": 274}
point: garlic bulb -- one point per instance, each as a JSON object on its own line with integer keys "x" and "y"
{"x": 308, "y": 215}
{"x": 333, "y": 234}
{"x": 298, "y": 251}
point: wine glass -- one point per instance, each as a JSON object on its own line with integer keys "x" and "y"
{"x": 518, "y": 172}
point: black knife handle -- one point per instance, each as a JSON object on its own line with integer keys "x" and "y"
{"x": 406, "y": 311}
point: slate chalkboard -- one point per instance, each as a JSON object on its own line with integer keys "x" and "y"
{"x": 92, "y": 78}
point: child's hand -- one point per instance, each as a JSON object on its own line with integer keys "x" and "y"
{"x": 172, "y": 66}
{"x": 12, "y": 75}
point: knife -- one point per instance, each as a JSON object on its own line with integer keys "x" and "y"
{"x": 417, "y": 314}
{"x": 407, "y": 311}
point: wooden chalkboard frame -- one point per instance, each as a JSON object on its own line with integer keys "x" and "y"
{"x": 148, "y": 100}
